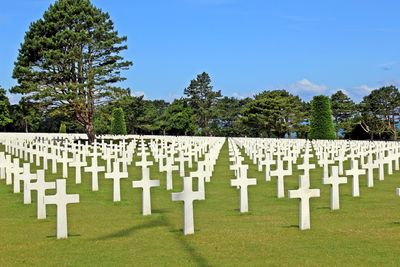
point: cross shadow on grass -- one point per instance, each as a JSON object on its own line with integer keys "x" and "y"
{"x": 291, "y": 226}
{"x": 69, "y": 235}
{"x": 162, "y": 221}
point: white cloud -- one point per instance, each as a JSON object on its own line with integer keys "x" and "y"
{"x": 14, "y": 98}
{"x": 138, "y": 93}
{"x": 306, "y": 86}
{"x": 363, "y": 89}
{"x": 242, "y": 95}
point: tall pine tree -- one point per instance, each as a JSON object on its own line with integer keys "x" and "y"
{"x": 202, "y": 99}
{"x": 70, "y": 60}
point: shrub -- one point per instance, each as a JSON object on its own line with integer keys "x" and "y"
{"x": 118, "y": 125}
{"x": 321, "y": 120}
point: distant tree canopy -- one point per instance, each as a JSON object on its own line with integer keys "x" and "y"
{"x": 5, "y": 116}
{"x": 70, "y": 59}
{"x": 321, "y": 124}
{"x": 343, "y": 108}
{"x": 274, "y": 114}
{"x": 202, "y": 98}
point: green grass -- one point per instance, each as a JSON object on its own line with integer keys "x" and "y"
{"x": 364, "y": 232}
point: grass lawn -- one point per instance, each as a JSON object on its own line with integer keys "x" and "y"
{"x": 364, "y": 232}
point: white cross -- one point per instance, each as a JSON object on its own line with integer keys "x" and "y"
{"x": 243, "y": 182}
{"x": 61, "y": 199}
{"x": 78, "y": 164}
{"x": 200, "y": 174}
{"x": 334, "y": 180}
{"x": 370, "y": 166}
{"x": 17, "y": 170}
{"x": 27, "y": 176}
{"x": 280, "y": 173}
{"x": 95, "y": 169}
{"x": 181, "y": 158}
{"x": 306, "y": 166}
{"x": 116, "y": 175}
{"x": 268, "y": 162}
{"x": 169, "y": 168}
{"x": 65, "y": 160}
{"x": 187, "y": 196}
{"x": 304, "y": 193}
{"x": 146, "y": 184}
{"x": 355, "y": 172}
{"x": 41, "y": 186}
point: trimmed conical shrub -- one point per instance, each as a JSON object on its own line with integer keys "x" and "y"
{"x": 63, "y": 128}
{"x": 321, "y": 121}
{"x": 118, "y": 125}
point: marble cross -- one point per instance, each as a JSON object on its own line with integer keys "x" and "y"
{"x": 243, "y": 182}
{"x": 280, "y": 173}
{"x": 304, "y": 193}
{"x": 116, "y": 175}
{"x": 334, "y": 180}
{"x": 355, "y": 172}
{"x": 78, "y": 164}
{"x": 61, "y": 199}
{"x": 27, "y": 177}
{"x": 187, "y": 196}
{"x": 40, "y": 186}
{"x": 146, "y": 184}
{"x": 95, "y": 169}
{"x": 169, "y": 168}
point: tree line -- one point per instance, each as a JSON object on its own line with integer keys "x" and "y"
{"x": 69, "y": 67}
{"x": 205, "y": 111}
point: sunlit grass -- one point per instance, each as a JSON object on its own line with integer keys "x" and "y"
{"x": 365, "y": 231}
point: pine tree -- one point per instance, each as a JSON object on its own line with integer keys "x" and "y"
{"x": 70, "y": 59}
{"x": 321, "y": 121}
{"x": 203, "y": 99}
{"x": 118, "y": 125}
{"x": 5, "y": 117}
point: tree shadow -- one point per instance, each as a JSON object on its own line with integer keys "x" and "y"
{"x": 130, "y": 230}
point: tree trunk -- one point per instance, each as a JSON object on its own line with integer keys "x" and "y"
{"x": 90, "y": 132}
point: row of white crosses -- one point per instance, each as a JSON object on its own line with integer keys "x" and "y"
{"x": 364, "y": 157}
{"x": 203, "y": 174}
{"x": 278, "y": 157}
{"x": 60, "y": 151}
{"x": 242, "y": 181}
{"x": 36, "y": 182}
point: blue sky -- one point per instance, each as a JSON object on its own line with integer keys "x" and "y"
{"x": 307, "y": 47}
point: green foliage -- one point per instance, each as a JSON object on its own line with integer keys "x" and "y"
{"x": 380, "y": 111}
{"x": 118, "y": 125}
{"x": 227, "y": 112}
{"x": 321, "y": 123}
{"x": 63, "y": 128}
{"x": 5, "y": 116}
{"x": 274, "y": 114}
{"x": 178, "y": 119}
{"x": 343, "y": 110}
{"x": 70, "y": 59}
{"x": 203, "y": 99}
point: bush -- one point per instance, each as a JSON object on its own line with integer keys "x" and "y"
{"x": 118, "y": 125}
{"x": 63, "y": 128}
{"x": 321, "y": 121}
